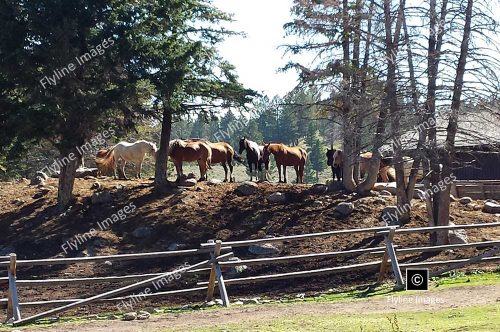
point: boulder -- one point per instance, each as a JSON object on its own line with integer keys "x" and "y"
{"x": 457, "y": 236}
{"x": 317, "y": 204}
{"x": 263, "y": 249}
{"x": 143, "y": 315}
{"x": 491, "y": 201}
{"x": 344, "y": 208}
{"x": 453, "y": 198}
{"x": 390, "y": 187}
{"x": 319, "y": 189}
{"x": 214, "y": 182}
{"x": 130, "y": 316}
{"x": 96, "y": 186}
{"x": 142, "y": 232}
{"x": 247, "y": 188}
{"x": 419, "y": 194}
{"x": 42, "y": 175}
{"x": 101, "y": 197}
{"x": 390, "y": 215}
{"x": 234, "y": 271}
{"x": 35, "y": 181}
{"x": 385, "y": 193}
{"x": 276, "y": 198}
{"x": 465, "y": 200}
{"x": 188, "y": 182}
{"x": 82, "y": 172}
{"x": 490, "y": 207}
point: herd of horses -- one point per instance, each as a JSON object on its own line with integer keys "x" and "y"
{"x": 206, "y": 153}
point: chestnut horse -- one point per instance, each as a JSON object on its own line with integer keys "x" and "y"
{"x": 222, "y": 153}
{"x": 104, "y": 169}
{"x": 335, "y": 159}
{"x": 287, "y": 156}
{"x": 194, "y": 150}
{"x": 254, "y": 155}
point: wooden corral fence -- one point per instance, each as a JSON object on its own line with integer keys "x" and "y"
{"x": 220, "y": 252}
{"x": 477, "y": 189}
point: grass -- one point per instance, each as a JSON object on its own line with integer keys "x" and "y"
{"x": 351, "y": 322}
{"x": 478, "y": 318}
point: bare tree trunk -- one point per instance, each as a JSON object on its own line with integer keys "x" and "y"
{"x": 161, "y": 183}
{"x": 67, "y": 178}
{"x": 451, "y": 131}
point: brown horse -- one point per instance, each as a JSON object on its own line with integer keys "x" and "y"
{"x": 287, "y": 156}
{"x": 194, "y": 150}
{"x": 104, "y": 168}
{"x": 222, "y": 153}
{"x": 335, "y": 159}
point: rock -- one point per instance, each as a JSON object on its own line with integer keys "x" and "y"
{"x": 390, "y": 215}
{"x": 37, "y": 180}
{"x": 490, "y": 207}
{"x": 254, "y": 300}
{"x": 18, "y": 202}
{"x": 191, "y": 176}
{"x": 385, "y": 193}
{"x": 210, "y": 304}
{"x": 143, "y": 315}
{"x": 188, "y": 183}
{"x": 83, "y": 172}
{"x": 108, "y": 263}
{"x": 24, "y": 181}
{"x": 214, "y": 182}
{"x": 276, "y": 198}
{"x": 491, "y": 201}
{"x": 218, "y": 301}
{"x": 465, "y": 200}
{"x": 130, "y": 316}
{"x": 96, "y": 186}
{"x": 38, "y": 195}
{"x": 234, "y": 271}
{"x": 334, "y": 186}
{"x": 142, "y": 232}
{"x": 317, "y": 204}
{"x": 247, "y": 188}
{"x": 457, "y": 236}
{"x": 101, "y": 197}
{"x": 42, "y": 175}
{"x": 419, "y": 194}
{"x": 453, "y": 198}
{"x": 344, "y": 208}
{"x": 263, "y": 249}
{"x": 237, "y": 303}
{"x": 319, "y": 189}
{"x": 390, "y": 187}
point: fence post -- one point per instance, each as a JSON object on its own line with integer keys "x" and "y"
{"x": 13, "y": 310}
{"x": 213, "y": 272}
{"x": 390, "y": 253}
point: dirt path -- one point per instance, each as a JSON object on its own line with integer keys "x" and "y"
{"x": 442, "y": 299}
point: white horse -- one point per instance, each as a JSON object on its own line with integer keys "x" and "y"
{"x": 123, "y": 152}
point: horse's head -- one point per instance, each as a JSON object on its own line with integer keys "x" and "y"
{"x": 267, "y": 152}
{"x": 152, "y": 149}
{"x": 243, "y": 145}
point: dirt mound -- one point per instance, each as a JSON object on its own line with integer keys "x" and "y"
{"x": 30, "y": 226}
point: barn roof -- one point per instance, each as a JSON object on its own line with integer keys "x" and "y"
{"x": 475, "y": 128}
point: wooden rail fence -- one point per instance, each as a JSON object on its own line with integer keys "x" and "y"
{"x": 217, "y": 263}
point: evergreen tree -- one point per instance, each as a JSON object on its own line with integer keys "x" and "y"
{"x": 316, "y": 153}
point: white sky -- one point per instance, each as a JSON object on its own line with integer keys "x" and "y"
{"x": 256, "y": 57}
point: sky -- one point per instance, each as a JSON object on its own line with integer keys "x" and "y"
{"x": 256, "y": 56}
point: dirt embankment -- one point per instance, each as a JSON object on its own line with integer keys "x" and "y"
{"x": 30, "y": 227}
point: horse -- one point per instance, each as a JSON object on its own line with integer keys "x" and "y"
{"x": 255, "y": 153}
{"x": 124, "y": 151}
{"x": 101, "y": 168}
{"x": 287, "y": 156}
{"x": 222, "y": 153}
{"x": 335, "y": 159}
{"x": 190, "y": 150}
{"x": 387, "y": 172}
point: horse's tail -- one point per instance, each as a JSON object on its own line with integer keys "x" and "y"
{"x": 209, "y": 157}
{"x": 230, "y": 154}
{"x": 107, "y": 161}
{"x": 391, "y": 173}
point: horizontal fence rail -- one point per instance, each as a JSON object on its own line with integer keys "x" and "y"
{"x": 218, "y": 263}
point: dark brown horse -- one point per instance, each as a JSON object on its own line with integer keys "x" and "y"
{"x": 222, "y": 153}
{"x": 287, "y": 156}
{"x": 335, "y": 159}
{"x": 200, "y": 151}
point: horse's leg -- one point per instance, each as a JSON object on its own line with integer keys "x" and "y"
{"x": 123, "y": 170}
{"x": 284, "y": 174}
{"x": 279, "y": 172}
{"x": 225, "y": 171}
{"x": 297, "y": 173}
{"x": 250, "y": 166}
{"x": 230, "y": 171}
